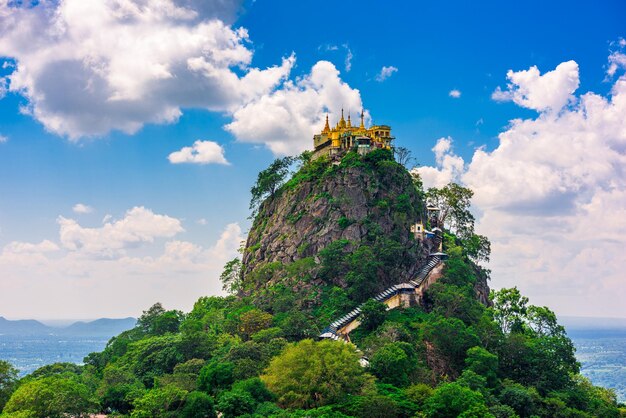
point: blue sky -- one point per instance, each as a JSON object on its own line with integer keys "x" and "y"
{"x": 92, "y": 120}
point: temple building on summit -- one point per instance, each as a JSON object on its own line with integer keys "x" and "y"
{"x": 344, "y": 137}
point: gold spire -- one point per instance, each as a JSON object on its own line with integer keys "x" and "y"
{"x": 326, "y": 127}
{"x": 362, "y": 123}
{"x": 342, "y": 122}
{"x": 349, "y": 122}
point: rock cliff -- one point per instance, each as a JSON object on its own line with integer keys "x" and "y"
{"x": 362, "y": 201}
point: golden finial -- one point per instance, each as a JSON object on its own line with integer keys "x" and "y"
{"x": 342, "y": 121}
{"x": 349, "y": 122}
{"x": 326, "y": 127}
{"x": 362, "y": 116}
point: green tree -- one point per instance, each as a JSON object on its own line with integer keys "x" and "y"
{"x": 153, "y": 356}
{"x": 164, "y": 402}
{"x": 509, "y": 309}
{"x": 185, "y": 375}
{"x": 521, "y": 399}
{"x": 157, "y": 321}
{"x": 253, "y": 321}
{"x": 234, "y": 403}
{"x": 450, "y": 400}
{"x": 477, "y": 247}
{"x": 453, "y": 202}
{"x": 53, "y": 396}
{"x": 451, "y": 339}
{"x": 393, "y": 363}
{"x": 418, "y": 393}
{"x": 147, "y": 318}
{"x": 455, "y": 302}
{"x": 269, "y": 180}
{"x": 231, "y": 276}
{"x": 484, "y": 363}
{"x": 117, "y": 388}
{"x": 543, "y": 322}
{"x": 373, "y": 314}
{"x": 8, "y": 380}
{"x": 198, "y": 405}
{"x": 256, "y": 388}
{"x": 309, "y": 374}
{"x": 372, "y": 406}
{"x": 216, "y": 375}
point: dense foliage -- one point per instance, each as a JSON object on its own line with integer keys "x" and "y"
{"x": 253, "y": 354}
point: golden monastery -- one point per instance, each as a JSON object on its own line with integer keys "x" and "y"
{"x": 345, "y": 137}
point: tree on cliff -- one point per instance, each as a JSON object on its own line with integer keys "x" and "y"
{"x": 269, "y": 180}
{"x": 453, "y": 202}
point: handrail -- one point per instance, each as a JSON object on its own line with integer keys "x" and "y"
{"x": 330, "y": 332}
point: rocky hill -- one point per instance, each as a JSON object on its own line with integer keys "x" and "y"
{"x": 336, "y": 234}
{"x": 360, "y": 202}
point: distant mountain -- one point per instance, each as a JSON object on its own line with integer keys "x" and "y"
{"x": 22, "y": 327}
{"x": 104, "y": 327}
{"x": 99, "y": 327}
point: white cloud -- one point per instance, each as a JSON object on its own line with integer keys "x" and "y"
{"x": 88, "y": 67}
{"x": 202, "y": 221}
{"x": 202, "y": 152}
{"x": 449, "y": 166}
{"x": 348, "y": 60}
{"x": 91, "y": 66}
{"x": 3, "y": 139}
{"x": 551, "y": 91}
{"x": 286, "y": 119}
{"x": 82, "y": 208}
{"x": 139, "y": 225}
{"x": 4, "y": 86}
{"x": 61, "y": 280}
{"x": 27, "y": 254}
{"x": 551, "y": 197}
{"x": 17, "y": 247}
{"x": 385, "y": 73}
{"x": 455, "y": 94}
{"x": 617, "y": 59}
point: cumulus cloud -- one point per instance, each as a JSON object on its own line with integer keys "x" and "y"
{"x": 617, "y": 59}
{"x": 550, "y": 91}
{"x": 19, "y": 253}
{"x": 17, "y": 247}
{"x": 139, "y": 225}
{"x": 87, "y": 67}
{"x": 69, "y": 277}
{"x": 455, "y": 94}
{"x": 385, "y": 73}
{"x": 551, "y": 195}
{"x": 201, "y": 152}
{"x": 90, "y": 66}
{"x": 286, "y": 119}
{"x": 449, "y": 167}
{"x": 81, "y": 208}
